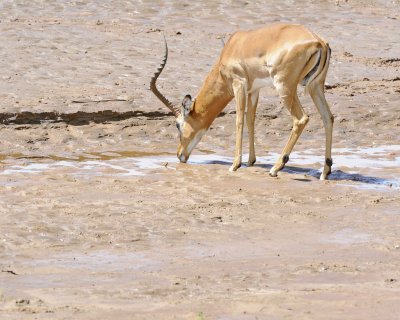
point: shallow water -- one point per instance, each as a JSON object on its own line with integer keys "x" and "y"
{"x": 368, "y": 165}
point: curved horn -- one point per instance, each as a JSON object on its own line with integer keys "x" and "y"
{"x": 153, "y": 86}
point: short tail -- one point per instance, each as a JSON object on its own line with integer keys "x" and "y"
{"x": 319, "y": 71}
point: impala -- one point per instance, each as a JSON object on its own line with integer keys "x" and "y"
{"x": 283, "y": 55}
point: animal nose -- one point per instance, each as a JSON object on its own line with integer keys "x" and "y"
{"x": 182, "y": 157}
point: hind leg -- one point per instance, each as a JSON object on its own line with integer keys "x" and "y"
{"x": 318, "y": 96}
{"x": 300, "y": 119}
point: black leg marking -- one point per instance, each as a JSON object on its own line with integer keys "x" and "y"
{"x": 328, "y": 162}
{"x": 285, "y": 159}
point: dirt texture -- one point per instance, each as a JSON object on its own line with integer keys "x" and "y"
{"x": 99, "y": 220}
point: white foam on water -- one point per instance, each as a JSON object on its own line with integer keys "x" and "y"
{"x": 90, "y": 167}
{"x": 373, "y": 159}
{"x": 309, "y": 158}
{"x": 31, "y": 168}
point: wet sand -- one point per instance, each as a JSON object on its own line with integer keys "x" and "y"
{"x": 98, "y": 220}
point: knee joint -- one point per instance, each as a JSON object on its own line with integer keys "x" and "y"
{"x": 328, "y": 119}
{"x": 304, "y": 120}
{"x": 300, "y": 124}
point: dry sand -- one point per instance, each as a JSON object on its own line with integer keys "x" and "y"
{"x": 98, "y": 220}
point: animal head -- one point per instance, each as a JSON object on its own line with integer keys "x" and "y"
{"x": 189, "y": 128}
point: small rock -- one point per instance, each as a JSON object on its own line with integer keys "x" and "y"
{"x": 391, "y": 280}
{"x": 23, "y": 302}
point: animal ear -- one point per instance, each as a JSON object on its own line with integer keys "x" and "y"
{"x": 187, "y": 104}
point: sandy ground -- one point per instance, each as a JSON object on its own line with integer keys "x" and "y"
{"x": 98, "y": 220}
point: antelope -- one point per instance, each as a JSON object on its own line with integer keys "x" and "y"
{"x": 283, "y": 55}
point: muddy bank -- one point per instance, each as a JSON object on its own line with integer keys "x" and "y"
{"x": 99, "y": 220}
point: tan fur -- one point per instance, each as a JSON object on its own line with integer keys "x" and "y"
{"x": 284, "y": 53}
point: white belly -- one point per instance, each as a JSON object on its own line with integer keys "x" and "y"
{"x": 259, "y": 83}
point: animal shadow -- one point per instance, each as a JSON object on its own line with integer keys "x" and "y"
{"x": 339, "y": 175}
{"x": 336, "y": 175}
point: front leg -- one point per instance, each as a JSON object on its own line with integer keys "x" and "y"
{"x": 239, "y": 89}
{"x": 252, "y": 100}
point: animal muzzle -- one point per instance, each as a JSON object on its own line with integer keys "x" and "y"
{"x": 181, "y": 155}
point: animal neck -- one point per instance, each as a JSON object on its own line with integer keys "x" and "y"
{"x": 211, "y": 99}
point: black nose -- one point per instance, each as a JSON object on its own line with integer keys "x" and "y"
{"x": 182, "y": 157}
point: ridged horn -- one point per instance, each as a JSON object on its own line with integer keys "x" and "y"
{"x": 153, "y": 86}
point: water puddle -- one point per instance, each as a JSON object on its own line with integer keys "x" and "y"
{"x": 373, "y": 157}
{"x": 351, "y": 163}
{"x": 93, "y": 164}
{"x": 348, "y": 164}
